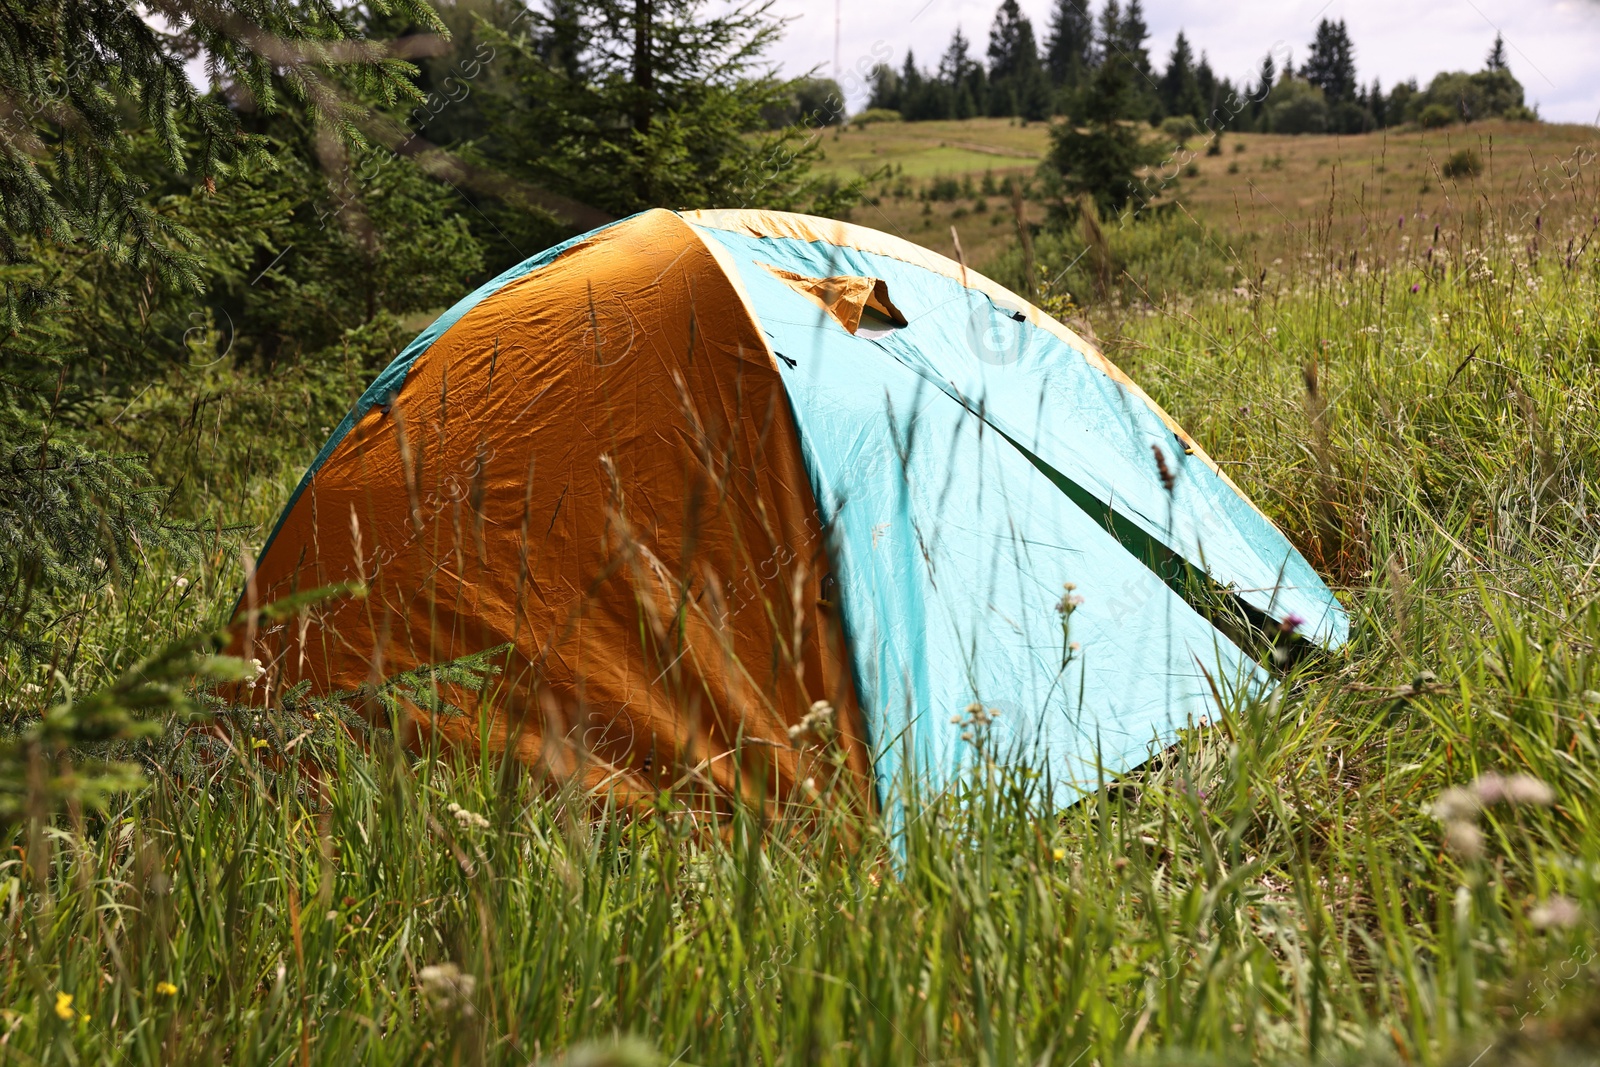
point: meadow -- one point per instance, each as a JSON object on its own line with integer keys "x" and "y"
{"x": 1393, "y": 859}
{"x": 1258, "y": 195}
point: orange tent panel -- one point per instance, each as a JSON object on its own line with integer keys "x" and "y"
{"x": 595, "y": 469}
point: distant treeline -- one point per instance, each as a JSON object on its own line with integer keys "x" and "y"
{"x": 1023, "y": 80}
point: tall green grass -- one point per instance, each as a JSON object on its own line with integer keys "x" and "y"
{"x": 1285, "y": 885}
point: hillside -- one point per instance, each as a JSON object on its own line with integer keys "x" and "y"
{"x": 1264, "y": 191}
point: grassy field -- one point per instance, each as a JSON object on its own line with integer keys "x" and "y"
{"x": 1264, "y": 193}
{"x": 1393, "y": 860}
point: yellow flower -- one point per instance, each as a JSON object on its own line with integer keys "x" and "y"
{"x": 166, "y": 989}
{"x": 1059, "y": 854}
{"x": 64, "y": 1005}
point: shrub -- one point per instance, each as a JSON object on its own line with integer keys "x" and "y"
{"x": 1434, "y": 116}
{"x": 1296, "y": 106}
{"x": 1179, "y": 128}
{"x": 875, "y": 114}
{"x": 1463, "y": 164}
{"x": 1130, "y": 258}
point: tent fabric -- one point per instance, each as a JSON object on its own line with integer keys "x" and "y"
{"x": 671, "y": 471}
{"x": 846, "y": 298}
{"x": 595, "y": 464}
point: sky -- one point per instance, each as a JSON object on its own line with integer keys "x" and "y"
{"x": 1554, "y": 45}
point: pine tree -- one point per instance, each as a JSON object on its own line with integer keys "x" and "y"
{"x": 90, "y": 90}
{"x": 885, "y": 84}
{"x": 964, "y": 77}
{"x": 76, "y": 74}
{"x": 1497, "y": 55}
{"x": 1378, "y": 104}
{"x": 1069, "y": 52}
{"x": 1017, "y": 84}
{"x": 1212, "y": 91}
{"x": 1133, "y": 32}
{"x": 1179, "y": 88}
{"x": 671, "y": 105}
{"x": 1129, "y": 46}
{"x": 79, "y": 81}
{"x": 1331, "y": 64}
{"x": 1099, "y": 155}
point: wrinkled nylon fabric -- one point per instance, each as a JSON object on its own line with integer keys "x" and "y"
{"x": 635, "y": 458}
{"x": 845, "y": 298}
{"x": 1067, "y": 411}
{"x": 593, "y": 463}
{"x": 389, "y": 380}
{"x": 953, "y": 549}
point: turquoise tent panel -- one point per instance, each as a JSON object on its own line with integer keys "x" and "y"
{"x": 951, "y": 550}
{"x": 1075, "y": 419}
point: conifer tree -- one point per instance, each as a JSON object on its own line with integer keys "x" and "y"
{"x": 1331, "y": 63}
{"x": 1497, "y": 55}
{"x": 670, "y": 104}
{"x": 1017, "y": 84}
{"x": 1133, "y": 32}
{"x": 1179, "y": 88}
{"x": 885, "y": 82}
{"x": 1069, "y": 51}
{"x": 76, "y": 80}
{"x": 1099, "y": 155}
{"x": 1211, "y": 89}
{"x": 964, "y": 77}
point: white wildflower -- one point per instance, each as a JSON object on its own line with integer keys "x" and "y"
{"x": 1515, "y": 790}
{"x": 1556, "y": 913}
{"x": 467, "y": 820}
{"x": 445, "y": 987}
{"x": 816, "y": 726}
{"x": 1464, "y": 839}
{"x": 1457, "y": 805}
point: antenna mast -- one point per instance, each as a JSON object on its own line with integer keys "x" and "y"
{"x": 837, "y": 4}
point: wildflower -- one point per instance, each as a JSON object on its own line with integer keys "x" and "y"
{"x": 1518, "y": 790}
{"x": 1070, "y": 601}
{"x": 1291, "y": 623}
{"x": 467, "y": 820}
{"x": 166, "y": 989}
{"x": 1464, "y": 839}
{"x": 816, "y": 725}
{"x": 254, "y": 669}
{"x": 445, "y": 987}
{"x": 1457, "y": 805}
{"x": 1557, "y": 913}
{"x": 181, "y": 582}
{"x": 64, "y": 1006}
{"x": 1415, "y": 287}
{"x": 1058, "y": 854}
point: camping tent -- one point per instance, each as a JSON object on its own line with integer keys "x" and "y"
{"x": 686, "y": 475}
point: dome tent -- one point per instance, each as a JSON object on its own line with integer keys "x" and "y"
{"x": 687, "y": 474}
